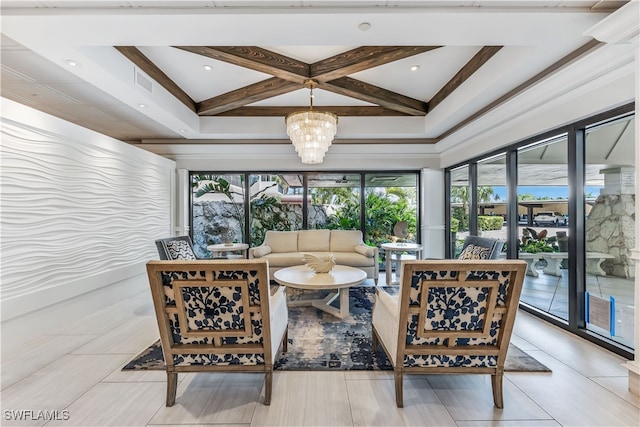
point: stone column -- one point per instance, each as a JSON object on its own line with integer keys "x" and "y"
{"x": 623, "y": 27}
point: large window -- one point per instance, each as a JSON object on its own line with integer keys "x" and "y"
{"x": 275, "y": 204}
{"x": 217, "y": 206}
{"x": 390, "y": 198}
{"x": 241, "y": 207}
{"x": 459, "y": 208}
{"x": 543, "y": 190}
{"x": 573, "y": 192}
{"x": 610, "y": 229}
{"x": 492, "y": 197}
{"x": 335, "y": 201}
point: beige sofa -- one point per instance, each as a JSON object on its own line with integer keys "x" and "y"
{"x": 284, "y": 249}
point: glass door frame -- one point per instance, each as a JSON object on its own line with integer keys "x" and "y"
{"x": 576, "y": 209}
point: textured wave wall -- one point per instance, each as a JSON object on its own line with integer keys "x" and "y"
{"x": 76, "y": 214}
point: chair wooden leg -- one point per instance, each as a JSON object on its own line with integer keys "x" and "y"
{"x": 398, "y": 380}
{"x": 172, "y": 385}
{"x": 496, "y": 386}
{"x": 268, "y": 380}
{"x": 374, "y": 340}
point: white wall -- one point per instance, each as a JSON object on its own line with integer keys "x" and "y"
{"x": 80, "y": 213}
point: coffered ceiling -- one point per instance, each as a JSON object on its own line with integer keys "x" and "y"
{"x": 214, "y": 72}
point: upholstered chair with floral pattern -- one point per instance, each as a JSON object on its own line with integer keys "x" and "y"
{"x": 450, "y": 316}
{"x": 217, "y": 316}
{"x": 179, "y": 247}
{"x": 476, "y": 247}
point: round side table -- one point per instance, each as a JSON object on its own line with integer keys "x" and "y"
{"x": 222, "y": 250}
{"x": 397, "y": 249}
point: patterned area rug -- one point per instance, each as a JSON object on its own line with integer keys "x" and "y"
{"x": 320, "y": 341}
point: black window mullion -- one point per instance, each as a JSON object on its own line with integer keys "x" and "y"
{"x": 363, "y": 213}
{"x": 447, "y": 215}
{"x": 577, "y": 237}
{"x": 305, "y": 207}
{"x": 512, "y": 204}
{"x": 473, "y": 198}
{"x": 247, "y": 209}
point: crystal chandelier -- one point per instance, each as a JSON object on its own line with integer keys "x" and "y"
{"x": 311, "y": 132}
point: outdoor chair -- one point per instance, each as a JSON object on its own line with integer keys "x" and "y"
{"x": 449, "y": 317}
{"x": 217, "y": 316}
{"x": 475, "y": 247}
{"x": 174, "y": 248}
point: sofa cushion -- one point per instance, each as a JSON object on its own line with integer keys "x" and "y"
{"x": 261, "y": 251}
{"x": 345, "y": 240}
{"x": 282, "y": 241}
{"x": 313, "y": 240}
{"x": 365, "y": 250}
{"x": 287, "y": 259}
{"x": 352, "y": 259}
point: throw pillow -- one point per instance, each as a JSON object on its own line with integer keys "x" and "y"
{"x": 365, "y": 250}
{"x": 180, "y": 249}
{"x": 475, "y": 252}
{"x": 261, "y": 251}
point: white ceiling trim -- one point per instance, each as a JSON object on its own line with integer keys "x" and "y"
{"x": 606, "y": 65}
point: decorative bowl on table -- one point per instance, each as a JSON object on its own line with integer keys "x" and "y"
{"x": 318, "y": 264}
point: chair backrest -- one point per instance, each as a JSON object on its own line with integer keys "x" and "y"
{"x": 212, "y": 313}
{"x": 457, "y": 314}
{"x": 176, "y": 248}
{"x": 475, "y": 247}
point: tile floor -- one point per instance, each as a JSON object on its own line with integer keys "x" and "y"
{"x": 77, "y": 373}
{"x": 550, "y": 293}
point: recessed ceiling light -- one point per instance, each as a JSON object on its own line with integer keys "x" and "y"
{"x": 142, "y": 105}
{"x": 71, "y": 63}
{"x": 415, "y": 68}
{"x": 364, "y": 26}
{"x": 183, "y": 130}
{"x": 207, "y": 67}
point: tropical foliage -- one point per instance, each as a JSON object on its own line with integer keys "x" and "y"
{"x": 333, "y": 208}
{"x": 382, "y": 212}
{"x": 533, "y": 241}
{"x": 460, "y": 195}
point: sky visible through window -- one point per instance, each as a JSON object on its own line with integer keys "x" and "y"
{"x": 545, "y": 191}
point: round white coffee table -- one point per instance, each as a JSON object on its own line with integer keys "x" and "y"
{"x": 340, "y": 278}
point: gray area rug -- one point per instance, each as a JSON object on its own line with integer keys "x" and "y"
{"x": 320, "y": 341}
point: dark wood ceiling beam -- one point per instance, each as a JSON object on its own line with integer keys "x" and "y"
{"x": 246, "y": 95}
{"x": 141, "y": 61}
{"x": 474, "y": 64}
{"x": 255, "y": 58}
{"x": 362, "y": 58}
{"x": 340, "y": 111}
{"x": 376, "y": 95}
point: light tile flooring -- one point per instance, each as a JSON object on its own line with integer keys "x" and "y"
{"x": 78, "y": 371}
{"x": 551, "y": 294}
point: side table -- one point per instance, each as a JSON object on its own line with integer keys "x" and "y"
{"x": 222, "y": 250}
{"x": 397, "y": 249}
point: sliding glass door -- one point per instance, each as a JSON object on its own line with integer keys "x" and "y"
{"x": 610, "y": 224}
{"x": 573, "y": 192}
